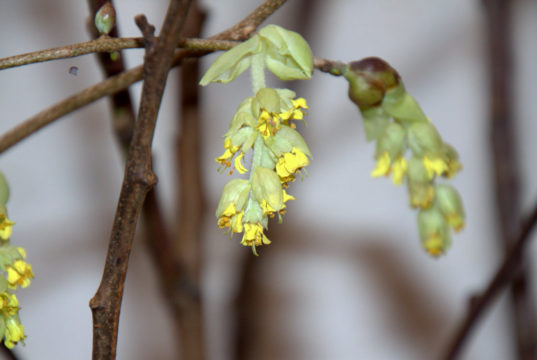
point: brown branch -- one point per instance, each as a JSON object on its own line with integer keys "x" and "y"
{"x": 505, "y": 273}
{"x": 104, "y": 44}
{"x": 138, "y": 180}
{"x": 119, "y": 82}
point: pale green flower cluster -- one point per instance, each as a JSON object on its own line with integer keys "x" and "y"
{"x": 16, "y": 273}
{"x": 264, "y": 124}
{"x": 394, "y": 120}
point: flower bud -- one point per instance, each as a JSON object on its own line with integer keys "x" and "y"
{"x": 420, "y": 188}
{"x": 434, "y": 233}
{"x": 287, "y": 54}
{"x": 105, "y": 18}
{"x": 450, "y": 204}
{"x": 424, "y": 140}
{"x": 392, "y": 141}
{"x": 369, "y": 79}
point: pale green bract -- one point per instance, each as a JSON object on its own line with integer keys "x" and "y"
{"x": 285, "y": 53}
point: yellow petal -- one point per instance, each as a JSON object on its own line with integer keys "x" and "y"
{"x": 383, "y": 166}
{"x": 238, "y": 164}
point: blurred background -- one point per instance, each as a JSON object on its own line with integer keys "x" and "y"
{"x": 345, "y": 276}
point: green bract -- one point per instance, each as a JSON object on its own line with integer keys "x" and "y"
{"x": 236, "y": 191}
{"x": 402, "y": 106}
{"x": 266, "y": 186}
{"x": 232, "y": 63}
{"x": 285, "y": 53}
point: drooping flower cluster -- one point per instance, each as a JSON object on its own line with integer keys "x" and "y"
{"x": 16, "y": 273}
{"x": 408, "y": 147}
{"x": 263, "y": 123}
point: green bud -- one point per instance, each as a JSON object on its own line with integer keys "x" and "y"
{"x": 287, "y": 54}
{"x": 266, "y": 186}
{"x": 434, "y": 233}
{"x": 105, "y": 18}
{"x": 400, "y": 105}
{"x": 4, "y": 189}
{"x": 369, "y": 79}
{"x": 285, "y": 140}
{"x": 392, "y": 141}
{"x": 236, "y": 191}
{"x": 450, "y": 204}
{"x": 232, "y": 63}
{"x": 424, "y": 139}
{"x": 375, "y": 121}
{"x": 420, "y": 188}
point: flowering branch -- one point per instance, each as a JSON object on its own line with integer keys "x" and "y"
{"x": 139, "y": 179}
{"x": 504, "y": 275}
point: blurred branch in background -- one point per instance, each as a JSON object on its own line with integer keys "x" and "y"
{"x": 509, "y": 268}
{"x": 505, "y": 164}
{"x": 515, "y": 268}
{"x": 186, "y": 292}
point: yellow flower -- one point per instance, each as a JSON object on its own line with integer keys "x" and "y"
{"x": 253, "y": 235}
{"x": 385, "y": 166}
{"x": 19, "y": 274}
{"x": 9, "y": 304}
{"x": 290, "y": 163}
{"x": 14, "y": 332}
{"x": 231, "y": 218}
{"x": 434, "y": 245}
{"x": 434, "y": 166}
{"x": 399, "y": 168}
{"x": 238, "y": 164}
{"x": 269, "y": 123}
{"x": 295, "y": 113}
{"x": 5, "y": 227}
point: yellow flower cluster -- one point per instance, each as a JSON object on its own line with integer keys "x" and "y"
{"x": 440, "y": 205}
{"x": 17, "y": 273}
{"x": 262, "y": 123}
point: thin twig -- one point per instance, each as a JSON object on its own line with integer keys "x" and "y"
{"x": 122, "y": 81}
{"x": 138, "y": 180}
{"x": 104, "y": 44}
{"x": 504, "y": 274}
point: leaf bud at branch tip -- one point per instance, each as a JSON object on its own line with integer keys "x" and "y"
{"x": 105, "y": 18}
